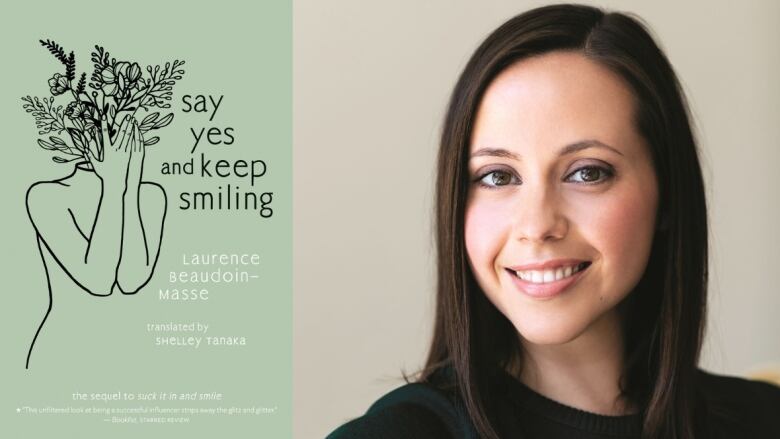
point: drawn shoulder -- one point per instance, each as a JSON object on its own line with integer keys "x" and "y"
{"x": 152, "y": 194}
{"x": 152, "y": 191}
{"x": 44, "y": 196}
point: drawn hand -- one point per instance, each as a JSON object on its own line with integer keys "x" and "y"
{"x": 137, "y": 154}
{"x": 116, "y": 153}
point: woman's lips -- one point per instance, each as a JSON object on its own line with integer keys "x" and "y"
{"x": 545, "y": 290}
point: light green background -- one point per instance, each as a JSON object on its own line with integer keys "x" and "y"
{"x": 241, "y": 50}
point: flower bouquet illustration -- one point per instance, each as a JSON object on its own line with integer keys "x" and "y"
{"x": 102, "y": 224}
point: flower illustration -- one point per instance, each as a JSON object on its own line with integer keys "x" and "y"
{"x": 84, "y": 112}
{"x": 119, "y": 77}
{"x": 119, "y": 89}
{"x": 59, "y": 84}
{"x": 76, "y": 109}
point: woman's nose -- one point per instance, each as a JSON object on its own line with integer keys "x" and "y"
{"x": 538, "y": 215}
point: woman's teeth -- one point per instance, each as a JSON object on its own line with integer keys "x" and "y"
{"x": 546, "y": 276}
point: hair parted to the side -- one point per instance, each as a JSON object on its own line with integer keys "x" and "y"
{"x": 665, "y": 312}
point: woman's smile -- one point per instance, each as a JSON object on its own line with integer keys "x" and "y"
{"x": 548, "y": 283}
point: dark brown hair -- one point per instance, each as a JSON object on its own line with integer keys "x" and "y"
{"x": 663, "y": 333}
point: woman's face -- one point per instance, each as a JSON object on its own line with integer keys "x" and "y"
{"x": 559, "y": 175}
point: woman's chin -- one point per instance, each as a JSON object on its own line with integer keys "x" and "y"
{"x": 548, "y": 333}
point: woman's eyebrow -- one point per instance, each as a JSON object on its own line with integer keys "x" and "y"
{"x": 568, "y": 149}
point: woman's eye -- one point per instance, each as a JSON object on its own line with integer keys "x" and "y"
{"x": 496, "y": 178}
{"x": 592, "y": 174}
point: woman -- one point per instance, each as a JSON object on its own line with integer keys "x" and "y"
{"x": 572, "y": 250}
{"x": 99, "y": 232}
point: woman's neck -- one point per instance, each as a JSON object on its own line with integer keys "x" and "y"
{"x": 583, "y": 373}
{"x": 82, "y": 174}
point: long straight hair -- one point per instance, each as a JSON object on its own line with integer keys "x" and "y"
{"x": 665, "y": 312}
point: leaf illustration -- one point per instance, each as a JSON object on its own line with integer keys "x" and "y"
{"x": 45, "y": 145}
{"x": 147, "y": 123}
{"x": 60, "y": 145}
{"x": 101, "y": 60}
{"x": 70, "y": 67}
{"x": 161, "y": 83}
{"x": 48, "y": 118}
{"x": 165, "y": 121}
{"x": 150, "y": 118}
{"x": 82, "y": 84}
{"x": 56, "y": 50}
{"x": 77, "y": 139}
{"x": 151, "y": 141}
{"x": 58, "y": 159}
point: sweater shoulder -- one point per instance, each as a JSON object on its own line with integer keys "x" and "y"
{"x": 414, "y": 410}
{"x": 736, "y": 403}
{"x": 733, "y": 389}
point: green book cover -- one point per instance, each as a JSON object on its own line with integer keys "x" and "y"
{"x": 147, "y": 219}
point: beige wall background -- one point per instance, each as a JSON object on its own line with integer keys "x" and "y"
{"x": 371, "y": 81}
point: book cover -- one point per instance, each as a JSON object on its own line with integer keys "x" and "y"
{"x": 147, "y": 219}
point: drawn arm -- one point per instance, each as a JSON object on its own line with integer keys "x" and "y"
{"x": 144, "y": 215}
{"x": 90, "y": 257}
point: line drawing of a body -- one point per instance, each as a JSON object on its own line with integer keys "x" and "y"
{"x": 102, "y": 225}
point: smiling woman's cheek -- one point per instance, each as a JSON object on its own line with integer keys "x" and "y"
{"x": 487, "y": 229}
{"x": 619, "y": 225}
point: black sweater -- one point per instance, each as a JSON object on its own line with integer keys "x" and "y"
{"x": 734, "y": 407}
